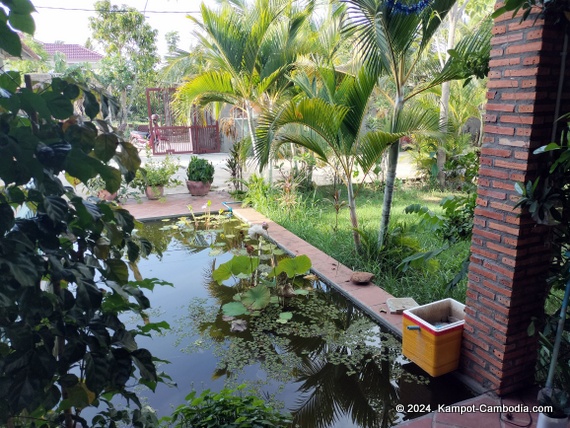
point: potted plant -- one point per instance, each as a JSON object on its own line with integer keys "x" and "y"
{"x": 200, "y": 174}
{"x": 155, "y": 176}
{"x": 97, "y": 186}
{"x": 559, "y": 403}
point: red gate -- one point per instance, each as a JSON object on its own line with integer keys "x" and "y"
{"x": 165, "y": 137}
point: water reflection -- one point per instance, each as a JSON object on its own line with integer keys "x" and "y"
{"x": 342, "y": 365}
{"x": 329, "y": 365}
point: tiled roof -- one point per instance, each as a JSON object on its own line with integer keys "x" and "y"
{"x": 73, "y": 52}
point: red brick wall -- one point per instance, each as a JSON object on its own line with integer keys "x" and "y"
{"x": 510, "y": 259}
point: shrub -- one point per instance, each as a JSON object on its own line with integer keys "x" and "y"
{"x": 228, "y": 408}
{"x": 157, "y": 173}
{"x": 200, "y": 170}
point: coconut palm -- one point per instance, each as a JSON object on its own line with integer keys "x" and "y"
{"x": 392, "y": 38}
{"x": 327, "y": 119}
{"x": 250, "y": 47}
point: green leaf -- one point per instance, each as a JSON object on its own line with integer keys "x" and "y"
{"x": 155, "y": 326}
{"x": 10, "y": 81}
{"x": 286, "y": 316}
{"x": 519, "y": 188}
{"x": 294, "y": 266}
{"x": 117, "y": 270}
{"x": 106, "y": 146}
{"x": 234, "y": 309}
{"x": 235, "y": 266}
{"x": 21, "y": 6}
{"x": 23, "y": 22}
{"x": 91, "y": 105}
{"x": 59, "y": 106}
{"x": 56, "y": 208}
{"x": 88, "y": 295}
{"x": 9, "y": 40}
{"x": 97, "y": 371}
{"x": 81, "y": 166}
{"x": 9, "y": 101}
{"x": 111, "y": 176}
{"x": 6, "y": 218}
{"x": 71, "y": 92}
{"x": 256, "y": 298}
{"x": 32, "y": 103}
{"x": 143, "y": 360}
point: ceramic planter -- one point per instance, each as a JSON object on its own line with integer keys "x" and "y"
{"x": 198, "y": 188}
{"x": 548, "y": 422}
{"x": 154, "y": 192}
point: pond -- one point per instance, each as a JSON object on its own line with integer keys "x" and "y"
{"x": 308, "y": 349}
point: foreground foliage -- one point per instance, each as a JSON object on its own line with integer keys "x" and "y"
{"x": 63, "y": 279}
{"x": 229, "y": 408}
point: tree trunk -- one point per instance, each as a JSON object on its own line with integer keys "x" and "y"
{"x": 388, "y": 192}
{"x": 251, "y": 129}
{"x": 454, "y": 15}
{"x": 443, "y": 119}
{"x": 353, "y": 217}
{"x": 123, "y": 118}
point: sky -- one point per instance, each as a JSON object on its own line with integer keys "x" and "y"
{"x": 67, "y": 20}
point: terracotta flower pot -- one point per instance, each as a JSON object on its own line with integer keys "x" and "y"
{"x": 154, "y": 192}
{"x": 105, "y": 195}
{"x": 198, "y": 188}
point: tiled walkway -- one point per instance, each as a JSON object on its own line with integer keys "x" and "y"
{"x": 370, "y": 298}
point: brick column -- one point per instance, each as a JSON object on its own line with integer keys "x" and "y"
{"x": 510, "y": 258}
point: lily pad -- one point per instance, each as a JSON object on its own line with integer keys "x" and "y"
{"x": 234, "y": 309}
{"x": 294, "y": 266}
{"x": 257, "y": 297}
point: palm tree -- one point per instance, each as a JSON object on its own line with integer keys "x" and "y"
{"x": 392, "y": 39}
{"x": 250, "y": 48}
{"x": 327, "y": 119}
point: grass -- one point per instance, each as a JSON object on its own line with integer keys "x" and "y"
{"x": 312, "y": 216}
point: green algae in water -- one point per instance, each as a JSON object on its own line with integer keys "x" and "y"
{"x": 327, "y": 362}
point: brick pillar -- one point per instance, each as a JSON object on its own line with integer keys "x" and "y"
{"x": 510, "y": 258}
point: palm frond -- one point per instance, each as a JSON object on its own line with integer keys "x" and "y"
{"x": 292, "y": 123}
{"x": 415, "y": 119}
{"x": 373, "y": 145}
{"x": 357, "y": 97}
{"x": 225, "y": 37}
{"x": 208, "y": 87}
{"x": 470, "y": 57}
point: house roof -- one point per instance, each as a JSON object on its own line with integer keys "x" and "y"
{"x": 27, "y": 53}
{"x": 73, "y": 52}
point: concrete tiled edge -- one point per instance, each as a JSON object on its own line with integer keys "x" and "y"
{"x": 370, "y": 298}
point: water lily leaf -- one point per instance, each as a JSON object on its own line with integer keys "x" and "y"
{"x": 284, "y": 317}
{"x": 257, "y": 297}
{"x": 237, "y": 265}
{"x": 294, "y": 266}
{"x": 234, "y": 309}
{"x": 301, "y": 292}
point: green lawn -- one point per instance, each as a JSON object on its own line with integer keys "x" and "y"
{"x": 311, "y": 216}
